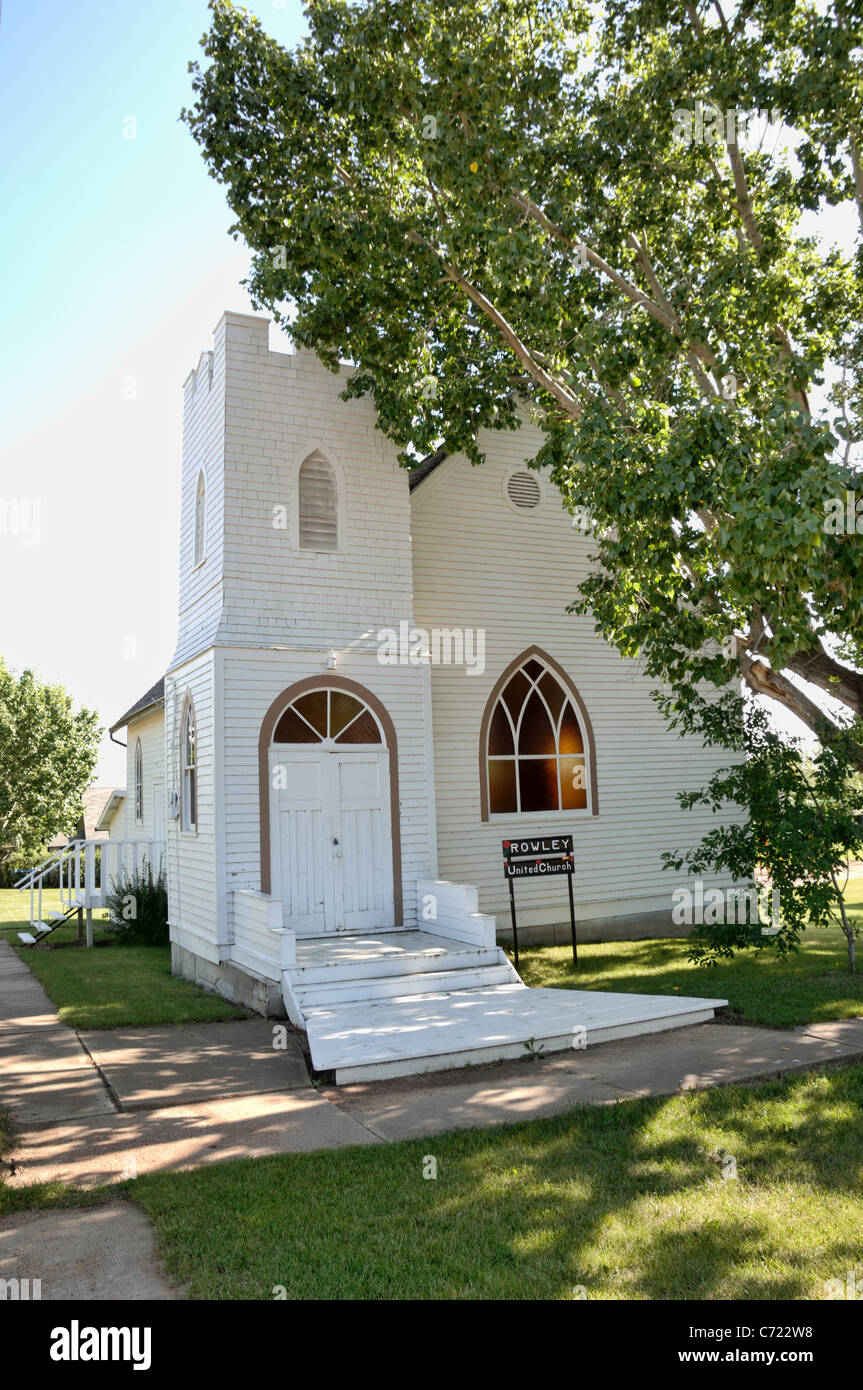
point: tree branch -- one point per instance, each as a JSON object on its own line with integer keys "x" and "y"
{"x": 556, "y": 389}
{"x": 857, "y": 166}
{"x": 819, "y": 668}
{"x": 763, "y": 680}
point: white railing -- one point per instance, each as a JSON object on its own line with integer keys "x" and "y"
{"x": 85, "y": 880}
{"x": 44, "y": 868}
{"x": 451, "y": 910}
{"x": 260, "y": 942}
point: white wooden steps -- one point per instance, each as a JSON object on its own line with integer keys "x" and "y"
{"x": 402, "y": 1002}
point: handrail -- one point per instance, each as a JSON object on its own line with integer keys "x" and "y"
{"x": 46, "y": 866}
{"x": 87, "y": 884}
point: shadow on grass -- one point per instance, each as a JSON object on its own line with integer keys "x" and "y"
{"x": 809, "y": 986}
{"x": 625, "y": 1200}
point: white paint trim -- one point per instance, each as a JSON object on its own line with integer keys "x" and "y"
{"x": 428, "y": 728}
{"x": 197, "y": 564}
{"x": 224, "y": 924}
{"x": 524, "y": 511}
{"x": 292, "y": 482}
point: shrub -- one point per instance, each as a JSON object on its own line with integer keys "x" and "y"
{"x": 138, "y": 908}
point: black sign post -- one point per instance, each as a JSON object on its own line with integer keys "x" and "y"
{"x": 537, "y": 857}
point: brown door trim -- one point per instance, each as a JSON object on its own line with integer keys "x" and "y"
{"x": 265, "y": 738}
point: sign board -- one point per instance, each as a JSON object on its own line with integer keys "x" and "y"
{"x": 539, "y": 856}
{"x": 531, "y": 868}
{"x": 533, "y": 846}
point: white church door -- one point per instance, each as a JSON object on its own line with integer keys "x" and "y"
{"x": 331, "y": 833}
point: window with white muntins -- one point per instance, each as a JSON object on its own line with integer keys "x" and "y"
{"x": 189, "y": 769}
{"x": 139, "y": 784}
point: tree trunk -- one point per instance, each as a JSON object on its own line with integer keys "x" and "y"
{"x": 846, "y": 927}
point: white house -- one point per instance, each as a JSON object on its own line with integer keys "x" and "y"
{"x": 375, "y": 682}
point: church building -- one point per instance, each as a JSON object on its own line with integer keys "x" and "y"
{"x": 376, "y": 683}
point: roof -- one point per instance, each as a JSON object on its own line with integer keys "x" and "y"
{"x": 154, "y": 696}
{"x": 429, "y": 464}
{"x": 110, "y": 809}
{"x": 94, "y": 805}
{"x": 95, "y": 800}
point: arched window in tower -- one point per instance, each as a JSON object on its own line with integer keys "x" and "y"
{"x": 189, "y": 769}
{"x": 537, "y": 744}
{"x": 318, "y": 505}
{"x": 200, "y": 518}
{"x": 139, "y": 784}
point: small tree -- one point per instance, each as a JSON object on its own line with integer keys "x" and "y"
{"x": 48, "y": 754}
{"x": 803, "y": 827}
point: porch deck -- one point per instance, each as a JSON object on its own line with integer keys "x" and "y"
{"x": 391, "y": 943}
{"x": 401, "y": 1036}
{"x": 396, "y": 1003}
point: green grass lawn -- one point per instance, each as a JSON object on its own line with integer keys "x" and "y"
{"x": 8, "y": 1131}
{"x": 15, "y": 916}
{"x": 122, "y": 986}
{"x": 624, "y": 1200}
{"x": 112, "y": 986}
{"x": 812, "y": 985}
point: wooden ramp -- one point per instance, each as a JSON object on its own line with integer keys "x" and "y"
{"x": 401, "y": 1003}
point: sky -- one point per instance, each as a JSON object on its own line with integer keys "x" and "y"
{"x": 115, "y": 265}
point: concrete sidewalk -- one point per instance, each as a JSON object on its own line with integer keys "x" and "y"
{"x": 661, "y": 1064}
{"x": 211, "y": 1092}
{"x": 105, "y": 1252}
{"x": 45, "y": 1074}
{"x": 149, "y": 1068}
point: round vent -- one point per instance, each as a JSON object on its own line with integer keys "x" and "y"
{"x": 523, "y": 490}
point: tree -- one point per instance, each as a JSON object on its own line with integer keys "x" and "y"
{"x": 48, "y": 753}
{"x": 803, "y": 826}
{"x": 552, "y": 204}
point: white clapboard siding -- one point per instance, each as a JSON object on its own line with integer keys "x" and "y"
{"x": 203, "y": 449}
{"x": 149, "y": 727}
{"x": 268, "y": 609}
{"x": 481, "y": 562}
{"x": 196, "y": 890}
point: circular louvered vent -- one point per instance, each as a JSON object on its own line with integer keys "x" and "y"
{"x": 523, "y": 490}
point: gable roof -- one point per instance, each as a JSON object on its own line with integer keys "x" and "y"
{"x": 95, "y": 801}
{"x": 429, "y": 464}
{"x": 94, "y": 805}
{"x": 154, "y": 696}
{"x": 109, "y": 811}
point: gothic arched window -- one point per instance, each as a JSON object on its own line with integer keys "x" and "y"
{"x": 200, "y": 518}
{"x": 139, "y": 783}
{"x": 318, "y": 505}
{"x": 537, "y": 748}
{"x": 189, "y": 769}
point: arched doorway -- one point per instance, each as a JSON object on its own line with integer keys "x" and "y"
{"x": 329, "y": 838}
